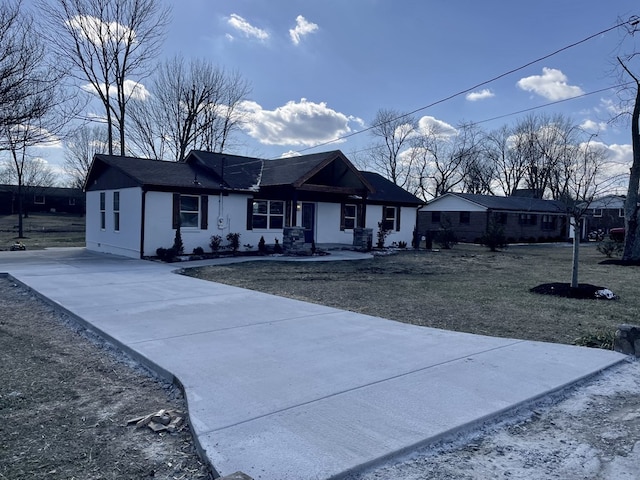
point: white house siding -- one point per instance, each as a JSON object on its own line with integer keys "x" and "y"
{"x": 452, "y": 204}
{"x": 328, "y": 225}
{"x": 407, "y": 224}
{"x": 126, "y": 241}
{"x": 231, "y": 210}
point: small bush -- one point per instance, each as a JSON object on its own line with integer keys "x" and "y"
{"x": 234, "y": 241}
{"x": 198, "y": 251}
{"x": 277, "y": 248}
{"x": 446, "y": 237}
{"x": 598, "y": 339}
{"x": 402, "y": 244}
{"x": 382, "y": 235}
{"x": 494, "y": 237}
{"x": 215, "y": 242}
{"x": 248, "y": 247}
{"x": 610, "y": 248}
{"x": 161, "y": 253}
{"x": 262, "y": 246}
{"x": 178, "y": 246}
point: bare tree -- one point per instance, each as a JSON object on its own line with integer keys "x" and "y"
{"x": 108, "y": 43}
{"x": 393, "y": 132}
{"x": 504, "y": 149}
{"x": 192, "y": 106}
{"x": 80, "y": 147}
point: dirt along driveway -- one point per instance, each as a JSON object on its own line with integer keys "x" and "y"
{"x": 66, "y": 397}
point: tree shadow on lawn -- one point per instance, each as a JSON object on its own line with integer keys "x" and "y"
{"x": 584, "y": 291}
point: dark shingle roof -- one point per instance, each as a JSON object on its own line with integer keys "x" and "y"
{"x": 387, "y": 191}
{"x": 287, "y": 171}
{"x": 237, "y": 173}
{"x": 158, "y": 172}
{"x": 520, "y": 204}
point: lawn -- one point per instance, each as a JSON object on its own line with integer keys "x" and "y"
{"x": 467, "y": 288}
{"x": 42, "y": 230}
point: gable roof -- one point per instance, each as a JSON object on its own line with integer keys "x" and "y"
{"x": 157, "y": 173}
{"x": 232, "y": 171}
{"x": 516, "y": 204}
{"x": 387, "y": 191}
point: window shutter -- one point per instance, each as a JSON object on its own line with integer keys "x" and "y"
{"x": 342, "y": 208}
{"x": 204, "y": 212}
{"x": 249, "y": 213}
{"x": 176, "y": 210}
{"x": 398, "y": 218}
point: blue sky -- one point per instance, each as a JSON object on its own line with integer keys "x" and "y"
{"x": 321, "y": 70}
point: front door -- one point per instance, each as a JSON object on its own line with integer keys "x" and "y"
{"x": 309, "y": 221}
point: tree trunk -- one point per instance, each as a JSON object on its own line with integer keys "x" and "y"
{"x": 632, "y": 234}
{"x": 576, "y": 253}
{"x": 20, "y": 208}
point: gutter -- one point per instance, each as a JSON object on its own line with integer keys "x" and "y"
{"x": 142, "y": 216}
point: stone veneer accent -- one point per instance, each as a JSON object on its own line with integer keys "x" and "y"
{"x": 293, "y": 241}
{"x": 627, "y": 340}
{"x": 363, "y": 238}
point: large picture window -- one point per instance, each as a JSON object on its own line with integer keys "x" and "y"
{"x": 528, "y": 219}
{"x": 267, "y": 214}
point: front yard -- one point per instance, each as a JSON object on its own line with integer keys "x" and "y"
{"x": 465, "y": 289}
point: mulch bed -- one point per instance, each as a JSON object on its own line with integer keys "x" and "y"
{"x": 583, "y": 291}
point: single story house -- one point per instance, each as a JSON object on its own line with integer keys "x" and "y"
{"x": 605, "y": 213}
{"x": 524, "y": 219}
{"x": 135, "y": 205}
{"x": 41, "y": 200}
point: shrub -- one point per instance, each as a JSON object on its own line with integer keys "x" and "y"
{"x": 277, "y": 248}
{"x": 170, "y": 255}
{"x": 446, "y": 237}
{"x": 215, "y": 242}
{"x": 248, "y": 247}
{"x": 494, "y": 237}
{"x": 382, "y": 235}
{"x": 161, "y": 253}
{"x": 597, "y": 339}
{"x": 262, "y": 246}
{"x": 610, "y": 248}
{"x": 313, "y": 247}
{"x": 198, "y": 251}
{"x": 234, "y": 241}
{"x": 402, "y": 244}
{"x": 178, "y": 246}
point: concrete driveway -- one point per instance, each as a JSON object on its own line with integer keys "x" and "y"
{"x": 283, "y": 389}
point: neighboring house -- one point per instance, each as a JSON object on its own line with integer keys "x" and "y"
{"x": 135, "y": 205}
{"x": 605, "y": 213}
{"x": 524, "y": 219}
{"x": 41, "y": 200}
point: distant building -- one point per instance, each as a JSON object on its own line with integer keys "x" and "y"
{"x": 524, "y": 218}
{"x": 42, "y": 200}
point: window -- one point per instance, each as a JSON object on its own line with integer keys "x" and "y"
{"x": 597, "y": 212}
{"x": 189, "y": 211}
{"x": 391, "y": 218}
{"x": 350, "y": 215}
{"x": 465, "y": 217}
{"x": 621, "y": 212}
{"x": 116, "y": 211}
{"x": 38, "y": 199}
{"x": 103, "y": 215}
{"x": 435, "y": 217}
{"x": 528, "y": 219}
{"x": 548, "y": 222}
{"x": 267, "y": 214}
{"x": 72, "y": 201}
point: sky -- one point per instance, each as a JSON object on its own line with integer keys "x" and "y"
{"x": 321, "y": 70}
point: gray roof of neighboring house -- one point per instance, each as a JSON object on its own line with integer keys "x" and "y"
{"x": 519, "y": 204}
{"x": 386, "y": 190}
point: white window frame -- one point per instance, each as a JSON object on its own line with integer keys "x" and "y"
{"x": 190, "y": 213}
{"x": 103, "y": 211}
{"x": 269, "y": 216}
{"x": 386, "y": 218}
{"x": 597, "y": 212}
{"x": 116, "y": 211}
{"x": 353, "y": 219}
{"x": 39, "y": 200}
{"x": 621, "y": 212}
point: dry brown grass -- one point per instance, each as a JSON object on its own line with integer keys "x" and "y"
{"x": 465, "y": 289}
{"x": 43, "y": 230}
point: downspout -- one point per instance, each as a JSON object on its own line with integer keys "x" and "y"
{"x": 142, "y": 215}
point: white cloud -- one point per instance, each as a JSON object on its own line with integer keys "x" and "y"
{"x": 552, "y": 85}
{"x": 481, "y": 95}
{"x": 301, "y": 123}
{"x": 302, "y": 28}
{"x": 290, "y": 153}
{"x": 243, "y": 26}
{"x": 97, "y": 32}
{"x": 132, "y": 89}
{"x": 432, "y": 125}
{"x": 593, "y": 127}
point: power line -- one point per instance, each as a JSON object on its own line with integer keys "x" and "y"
{"x": 633, "y": 21}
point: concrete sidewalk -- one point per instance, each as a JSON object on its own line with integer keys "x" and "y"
{"x": 282, "y": 389}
